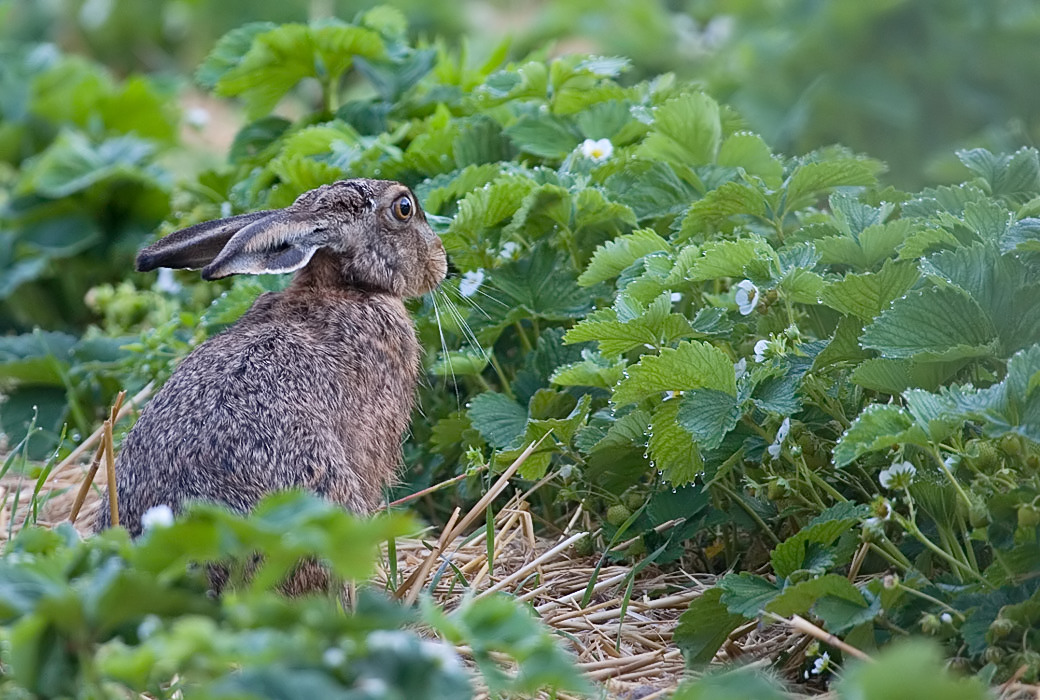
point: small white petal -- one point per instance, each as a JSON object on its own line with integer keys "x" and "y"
{"x": 157, "y": 516}
{"x": 746, "y": 297}
{"x": 166, "y": 282}
{"x": 509, "y": 250}
{"x": 197, "y": 117}
{"x": 334, "y": 657}
{"x": 597, "y": 151}
{"x": 760, "y": 350}
{"x": 471, "y": 282}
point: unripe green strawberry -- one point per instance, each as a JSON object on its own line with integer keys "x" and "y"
{"x": 1011, "y": 445}
{"x": 978, "y": 514}
{"x": 1028, "y": 515}
{"x": 583, "y": 547}
{"x": 993, "y": 655}
{"x": 930, "y": 624}
{"x": 999, "y": 628}
{"x": 617, "y": 514}
{"x": 983, "y": 455}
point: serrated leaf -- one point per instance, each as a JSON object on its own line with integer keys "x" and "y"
{"x": 874, "y": 244}
{"x": 300, "y": 174}
{"x": 691, "y": 365}
{"x": 645, "y": 287}
{"x": 842, "y": 510}
{"x": 628, "y": 430}
{"x": 867, "y": 295}
{"x": 844, "y": 344}
{"x": 746, "y": 594}
{"x": 499, "y": 420}
{"x": 726, "y": 258}
{"x": 71, "y": 163}
{"x": 228, "y": 52}
{"x": 789, "y": 556}
{"x": 280, "y": 58}
{"x": 892, "y": 376}
{"x": 532, "y": 286}
{"x": 460, "y": 363}
{"x": 810, "y": 180}
{"x": 543, "y": 210}
{"x": 337, "y": 44}
{"x": 277, "y": 59}
{"x": 1022, "y": 235}
{"x": 545, "y": 136}
{"x": 708, "y": 414}
{"x": 853, "y": 216}
{"x": 686, "y": 131}
{"x": 594, "y": 370}
{"x": 597, "y": 218}
{"x": 932, "y": 413}
{"x": 727, "y": 200}
{"x": 1023, "y": 373}
{"x": 704, "y": 627}
{"x": 748, "y": 151}
{"x": 485, "y": 208}
{"x": 924, "y": 240}
{"x": 933, "y": 323}
{"x": 988, "y": 219}
{"x": 1001, "y": 284}
{"x": 802, "y": 286}
{"x": 446, "y": 188}
{"x": 1016, "y": 176}
{"x": 35, "y": 358}
{"x": 655, "y": 326}
{"x": 799, "y": 598}
{"x": 650, "y": 189}
{"x": 563, "y": 429}
{"x": 949, "y": 199}
{"x": 230, "y": 305}
{"x": 612, "y": 257}
{"x": 878, "y": 427}
{"x": 778, "y": 395}
{"x": 672, "y": 449}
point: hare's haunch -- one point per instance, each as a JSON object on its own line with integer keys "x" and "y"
{"x": 313, "y": 386}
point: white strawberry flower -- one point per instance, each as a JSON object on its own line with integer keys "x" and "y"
{"x": 897, "y": 476}
{"x": 761, "y": 348}
{"x": 157, "y": 516}
{"x": 598, "y": 150}
{"x": 747, "y": 297}
{"x": 781, "y": 435}
{"x": 471, "y": 282}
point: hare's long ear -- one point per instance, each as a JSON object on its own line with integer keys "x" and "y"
{"x": 283, "y": 241}
{"x": 196, "y": 246}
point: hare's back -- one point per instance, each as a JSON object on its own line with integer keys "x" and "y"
{"x": 300, "y": 393}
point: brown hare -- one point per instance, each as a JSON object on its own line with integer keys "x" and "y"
{"x": 313, "y": 387}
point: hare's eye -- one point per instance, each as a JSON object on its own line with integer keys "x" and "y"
{"x": 402, "y": 208}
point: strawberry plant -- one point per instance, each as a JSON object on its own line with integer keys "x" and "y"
{"x": 772, "y": 368}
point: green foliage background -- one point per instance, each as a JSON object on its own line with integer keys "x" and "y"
{"x": 778, "y": 368}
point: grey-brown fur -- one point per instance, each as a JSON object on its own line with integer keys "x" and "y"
{"x": 313, "y": 386}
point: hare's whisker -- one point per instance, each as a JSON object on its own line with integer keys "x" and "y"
{"x": 445, "y": 353}
{"x": 467, "y": 332}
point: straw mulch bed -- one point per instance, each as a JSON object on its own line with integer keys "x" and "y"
{"x": 622, "y": 636}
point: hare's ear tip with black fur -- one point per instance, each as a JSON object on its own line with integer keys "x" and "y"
{"x": 146, "y": 261}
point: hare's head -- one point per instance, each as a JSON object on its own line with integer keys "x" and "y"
{"x": 371, "y": 234}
